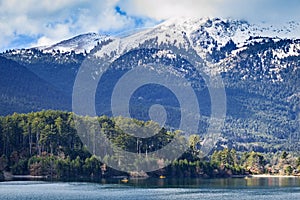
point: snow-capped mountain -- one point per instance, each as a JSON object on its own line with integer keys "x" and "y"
{"x": 217, "y": 40}
{"x": 210, "y": 34}
{"x": 80, "y": 44}
{"x": 259, "y": 64}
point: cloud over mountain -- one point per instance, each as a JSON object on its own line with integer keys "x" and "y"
{"x": 32, "y": 22}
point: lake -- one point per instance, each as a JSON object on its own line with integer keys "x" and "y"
{"x": 274, "y": 188}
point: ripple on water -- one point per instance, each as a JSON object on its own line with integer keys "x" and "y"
{"x": 31, "y": 190}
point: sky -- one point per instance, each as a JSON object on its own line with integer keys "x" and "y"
{"x": 32, "y": 23}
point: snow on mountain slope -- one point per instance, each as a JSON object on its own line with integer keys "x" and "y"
{"x": 208, "y": 35}
{"x": 80, "y": 44}
{"x": 213, "y": 39}
{"x": 204, "y": 34}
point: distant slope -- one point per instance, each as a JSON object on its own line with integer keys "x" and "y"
{"x": 23, "y": 91}
{"x": 58, "y": 64}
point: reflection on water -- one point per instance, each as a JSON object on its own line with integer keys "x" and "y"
{"x": 196, "y": 183}
{"x": 149, "y": 189}
{"x": 273, "y": 181}
{"x": 218, "y": 183}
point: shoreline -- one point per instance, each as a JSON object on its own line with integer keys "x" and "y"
{"x": 9, "y": 177}
{"x": 273, "y": 176}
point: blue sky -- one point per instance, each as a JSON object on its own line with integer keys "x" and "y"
{"x": 36, "y": 23}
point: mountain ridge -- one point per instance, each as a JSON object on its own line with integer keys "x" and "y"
{"x": 18, "y": 94}
{"x": 260, "y": 71}
{"x": 82, "y": 43}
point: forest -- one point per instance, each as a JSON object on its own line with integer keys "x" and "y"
{"x": 47, "y": 144}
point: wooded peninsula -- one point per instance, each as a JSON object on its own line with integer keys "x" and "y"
{"x": 47, "y": 144}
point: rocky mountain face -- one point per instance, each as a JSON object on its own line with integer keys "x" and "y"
{"x": 258, "y": 63}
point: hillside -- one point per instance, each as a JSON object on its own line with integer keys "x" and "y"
{"x": 258, "y": 63}
{"x": 23, "y": 91}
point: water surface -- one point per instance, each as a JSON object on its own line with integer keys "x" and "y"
{"x": 252, "y": 188}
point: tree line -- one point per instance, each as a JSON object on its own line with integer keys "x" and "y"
{"x": 47, "y": 144}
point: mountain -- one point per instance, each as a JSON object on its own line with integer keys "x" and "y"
{"x": 23, "y": 91}
{"x": 258, "y": 63}
{"x": 54, "y": 63}
{"x": 80, "y": 44}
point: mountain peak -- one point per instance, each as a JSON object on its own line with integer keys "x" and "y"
{"x": 210, "y": 34}
{"x": 79, "y": 44}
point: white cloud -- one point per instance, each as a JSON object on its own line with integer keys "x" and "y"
{"x": 53, "y": 34}
{"x": 44, "y": 41}
{"x": 50, "y": 21}
{"x": 170, "y": 8}
{"x": 253, "y": 10}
